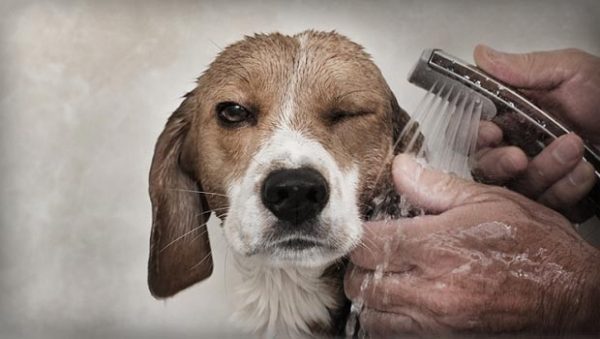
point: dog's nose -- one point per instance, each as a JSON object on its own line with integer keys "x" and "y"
{"x": 295, "y": 195}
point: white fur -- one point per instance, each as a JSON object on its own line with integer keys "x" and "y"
{"x": 281, "y": 302}
{"x": 249, "y": 219}
{"x": 288, "y": 108}
{"x": 282, "y": 293}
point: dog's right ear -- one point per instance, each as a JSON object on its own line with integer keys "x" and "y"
{"x": 180, "y": 253}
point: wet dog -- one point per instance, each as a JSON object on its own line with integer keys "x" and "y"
{"x": 288, "y": 140}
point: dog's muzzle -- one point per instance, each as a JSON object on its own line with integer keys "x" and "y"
{"x": 295, "y": 195}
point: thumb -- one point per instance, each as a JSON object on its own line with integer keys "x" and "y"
{"x": 432, "y": 190}
{"x": 536, "y": 70}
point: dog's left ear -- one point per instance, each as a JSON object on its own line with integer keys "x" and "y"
{"x": 403, "y": 132}
{"x": 180, "y": 253}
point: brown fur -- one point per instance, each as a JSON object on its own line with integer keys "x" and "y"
{"x": 195, "y": 153}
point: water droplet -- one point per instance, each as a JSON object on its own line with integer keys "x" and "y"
{"x": 467, "y": 77}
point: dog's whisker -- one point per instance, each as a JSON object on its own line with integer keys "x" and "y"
{"x": 362, "y": 245}
{"x": 194, "y": 238}
{"x": 293, "y": 135}
{"x": 199, "y": 235}
{"x": 198, "y": 192}
{"x": 371, "y": 242}
{"x": 184, "y": 235}
{"x": 203, "y": 213}
{"x": 201, "y": 261}
{"x": 212, "y": 210}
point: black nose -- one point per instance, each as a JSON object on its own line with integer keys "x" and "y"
{"x": 295, "y": 195}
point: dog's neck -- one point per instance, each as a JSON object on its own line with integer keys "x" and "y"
{"x": 287, "y": 302}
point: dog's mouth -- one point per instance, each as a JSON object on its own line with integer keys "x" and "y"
{"x": 298, "y": 244}
{"x": 300, "y": 250}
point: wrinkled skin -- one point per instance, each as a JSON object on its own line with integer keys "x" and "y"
{"x": 565, "y": 83}
{"x": 483, "y": 259}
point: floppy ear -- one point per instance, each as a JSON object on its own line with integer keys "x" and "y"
{"x": 404, "y": 130}
{"x": 180, "y": 253}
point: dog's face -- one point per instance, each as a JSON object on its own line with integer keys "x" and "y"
{"x": 285, "y": 139}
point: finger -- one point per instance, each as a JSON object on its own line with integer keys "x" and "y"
{"x": 384, "y": 292}
{"x": 379, "y": 324}
{"x": 553, "y": 163}
{"x": 540, "y": 70}
{"x": 433, "y": 190}
{"x": 397, "y": 292}
{"x": 501, "y": 164}
{"x": 489, "y": 135}
{"x": 569, "y": 190}
{"x": 386, "y": 242}
{"x": 412, "y": 245}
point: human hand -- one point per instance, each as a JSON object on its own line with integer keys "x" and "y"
{"x": 557, "y": 177}
{"x": 566, "y": 83}
{"x": 489, "y": 260}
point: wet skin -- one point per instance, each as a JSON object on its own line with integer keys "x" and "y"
{"x": 483, "y": 259}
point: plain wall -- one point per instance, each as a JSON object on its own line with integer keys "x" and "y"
{"x": 85, "y": 89}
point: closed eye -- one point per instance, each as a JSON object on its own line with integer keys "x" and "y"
{"x": 338, "y": 116}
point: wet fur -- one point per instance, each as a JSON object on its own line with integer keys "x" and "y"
{"x": 195, "y": 154}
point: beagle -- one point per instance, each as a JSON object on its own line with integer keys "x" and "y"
{"x": 289, "y": 141}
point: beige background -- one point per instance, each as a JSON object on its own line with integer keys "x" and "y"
{"x": 86, "y": 87}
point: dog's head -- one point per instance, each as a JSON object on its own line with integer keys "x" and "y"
{"x": 285, "y": 138}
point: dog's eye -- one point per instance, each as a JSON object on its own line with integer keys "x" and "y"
{"x": 339, "y": 116}
{"x": 232, "y": 114}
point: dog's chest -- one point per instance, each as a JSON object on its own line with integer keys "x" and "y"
{"x": 283, "y": 302}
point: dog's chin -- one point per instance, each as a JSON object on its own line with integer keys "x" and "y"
{"x": 306, "y": 246}
{"x": 301, "y": 251}
{"x": 309, "y": 257}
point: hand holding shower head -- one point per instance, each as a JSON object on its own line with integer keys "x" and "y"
{"x": 448, "y": 79}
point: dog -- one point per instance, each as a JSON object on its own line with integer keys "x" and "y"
{"x": 289, "y": 141}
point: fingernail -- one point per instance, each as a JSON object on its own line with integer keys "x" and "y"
{"x": 567, "y": 151}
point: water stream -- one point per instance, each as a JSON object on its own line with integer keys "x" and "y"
{"x": 448, "y": 118}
